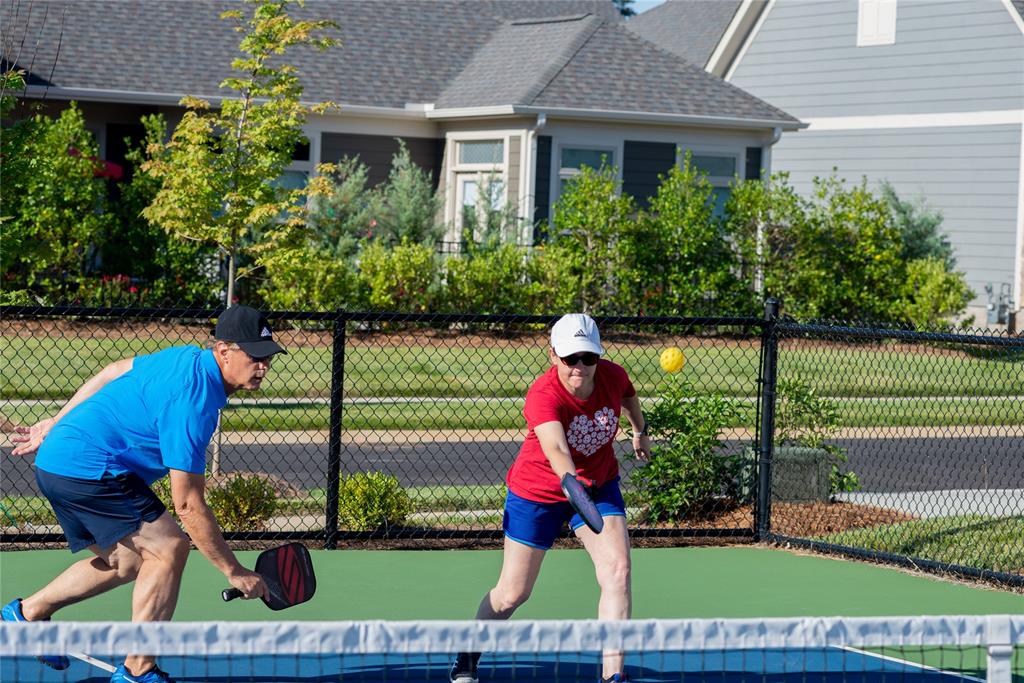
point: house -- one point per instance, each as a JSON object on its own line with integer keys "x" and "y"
{"x": 927, "y": 94}
{"x": 525, "y": 91}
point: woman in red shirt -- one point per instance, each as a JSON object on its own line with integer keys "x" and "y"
{"x": 572, "y": 412}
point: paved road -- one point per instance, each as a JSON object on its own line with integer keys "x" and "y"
{"x": 883, "y": 465}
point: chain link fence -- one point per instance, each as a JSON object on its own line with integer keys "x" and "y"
{"x": 889, "y": 444}
{"x": 900, "y": 446}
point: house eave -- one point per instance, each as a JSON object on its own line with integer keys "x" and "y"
{"x": 662, "y": 118}
{"x": 174, "y": 100}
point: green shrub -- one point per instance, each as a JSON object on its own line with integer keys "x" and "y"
{"x": 400, "y": 279}
{"x": 802, "y": 418}
{"x": 684, "y": 264}
{"x": 487, "y": 281}
{"x": 372, "y": 500}
{"x": 687, "y": 476}
{"x": 593, "y": 221}
{"x": 932, "y": 294}
{"x": 553, "y": 283}
{"x": 240, "y": 502}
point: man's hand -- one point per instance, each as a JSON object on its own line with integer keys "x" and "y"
{"x": 250, "y": 583}
{"x": 30, "y": 438}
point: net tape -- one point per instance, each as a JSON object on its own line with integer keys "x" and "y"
{"x": 368, "y": 637}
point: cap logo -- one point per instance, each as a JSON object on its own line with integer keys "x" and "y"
{"x": 265, "y": 332}
{"x": 580, "y": 333}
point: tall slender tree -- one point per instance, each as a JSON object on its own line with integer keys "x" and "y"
{"x": 217, "y": 173}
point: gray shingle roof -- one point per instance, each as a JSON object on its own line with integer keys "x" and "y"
{"x": 571, "y": 54}
{"x": 690, "y": 29}
{"x": 619, "y": 71}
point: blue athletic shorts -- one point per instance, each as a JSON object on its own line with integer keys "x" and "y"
{"x": 539, "y": 524}
{"x": 99, "y": 511}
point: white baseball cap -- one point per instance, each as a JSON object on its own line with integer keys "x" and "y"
{"x": 574, "y": 333}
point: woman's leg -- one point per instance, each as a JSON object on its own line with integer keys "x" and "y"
{"x": 520, "y": 567}
{"x": 609, "y": 551}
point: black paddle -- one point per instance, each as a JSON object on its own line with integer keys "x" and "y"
{"x": 582, "y": 503}
{"x": 288, "y": 572}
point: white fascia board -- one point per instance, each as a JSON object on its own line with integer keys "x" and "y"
{"x": 1013, "y": 13}
{"x": 659, "y": 117}
{"x": 174, "y": 100}
{"x": 472, "y": 112}
{"x": 748, "y": 41}
{"x": 727, "y": 44}
{"x": 950, "y": 119}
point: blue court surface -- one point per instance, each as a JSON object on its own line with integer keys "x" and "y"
{"x": 763, "y": 666}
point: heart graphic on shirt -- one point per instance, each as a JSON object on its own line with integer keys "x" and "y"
{"x": 586, "y": 435}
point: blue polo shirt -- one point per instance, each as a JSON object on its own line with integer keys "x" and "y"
{"x": 159, "y": 415}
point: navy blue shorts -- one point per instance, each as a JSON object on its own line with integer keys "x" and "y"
{"x": 539, "y": 524}
{"x": 99, "y": 512}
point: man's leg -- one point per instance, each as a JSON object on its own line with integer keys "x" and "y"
{"x": 81, "y": 580}
{"x": 162, "y": 548}
{"x": 609, "y": 551}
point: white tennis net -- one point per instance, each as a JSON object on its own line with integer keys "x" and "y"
{"x": 932, "y": 649}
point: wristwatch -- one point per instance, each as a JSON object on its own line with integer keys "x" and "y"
{"x": 643, "y": 430}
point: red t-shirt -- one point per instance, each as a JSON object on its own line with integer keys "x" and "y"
{"x": 590, "y": 426}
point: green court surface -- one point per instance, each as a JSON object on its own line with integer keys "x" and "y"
{"x": 696, "y": 582}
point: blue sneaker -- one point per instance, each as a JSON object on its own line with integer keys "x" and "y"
{"x": 154, "y": 675}
{"x": 616, "y": 678}
{"x": 12, "y": 612}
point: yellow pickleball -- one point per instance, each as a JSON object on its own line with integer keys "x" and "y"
{"x": 672, "y": 360}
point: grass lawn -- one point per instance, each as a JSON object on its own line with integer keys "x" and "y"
{"x": 972, "y": 540}
{"x": 56, "y": 367}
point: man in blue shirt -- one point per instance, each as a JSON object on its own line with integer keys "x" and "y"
{"x": 128, "y": 426}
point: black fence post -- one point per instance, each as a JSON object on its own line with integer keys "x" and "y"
{"x": 334, "y": 446}
{"x": 769, "y": 372}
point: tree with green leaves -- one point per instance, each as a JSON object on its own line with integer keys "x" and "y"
{"x": 52, "y": 204}
{"x": 217, "y": 173}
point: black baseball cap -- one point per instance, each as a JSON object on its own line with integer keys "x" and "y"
{"x": 248, "y": 328}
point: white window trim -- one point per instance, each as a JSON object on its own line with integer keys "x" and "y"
{"x": 308, "y": 167}
{"x": 876, "y": 22}
{"x": 453, "y": 190}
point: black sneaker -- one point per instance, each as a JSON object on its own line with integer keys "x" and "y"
{"x": 464, "y": 668}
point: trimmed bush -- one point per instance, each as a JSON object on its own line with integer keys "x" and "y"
{"x": 368, "y": 501}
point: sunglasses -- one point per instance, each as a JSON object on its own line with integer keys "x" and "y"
{"x": 258, "y": 359}
{"x": 587, "y": 359}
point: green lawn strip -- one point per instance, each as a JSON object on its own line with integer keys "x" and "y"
{"x": 971, "y": 540}
{"x": 43, "y": 368}
{"x": 457, "y": 498}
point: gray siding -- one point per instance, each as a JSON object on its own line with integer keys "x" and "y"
{"x": 970, "y": 174}
{"x": 949, "y": 56}
{"x": 377, "y": 151}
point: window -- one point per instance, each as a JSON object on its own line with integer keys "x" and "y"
{"x": 714, "y": 166}
{"x": 486, "y": 152}
{"x": 575, "y": 158}
{"x": 721, "y": 172}
{"x": 473, "y": 209}
{"x": 876, "y": 22}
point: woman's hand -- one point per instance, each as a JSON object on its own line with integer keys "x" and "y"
{"x": 642, "y": 446}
